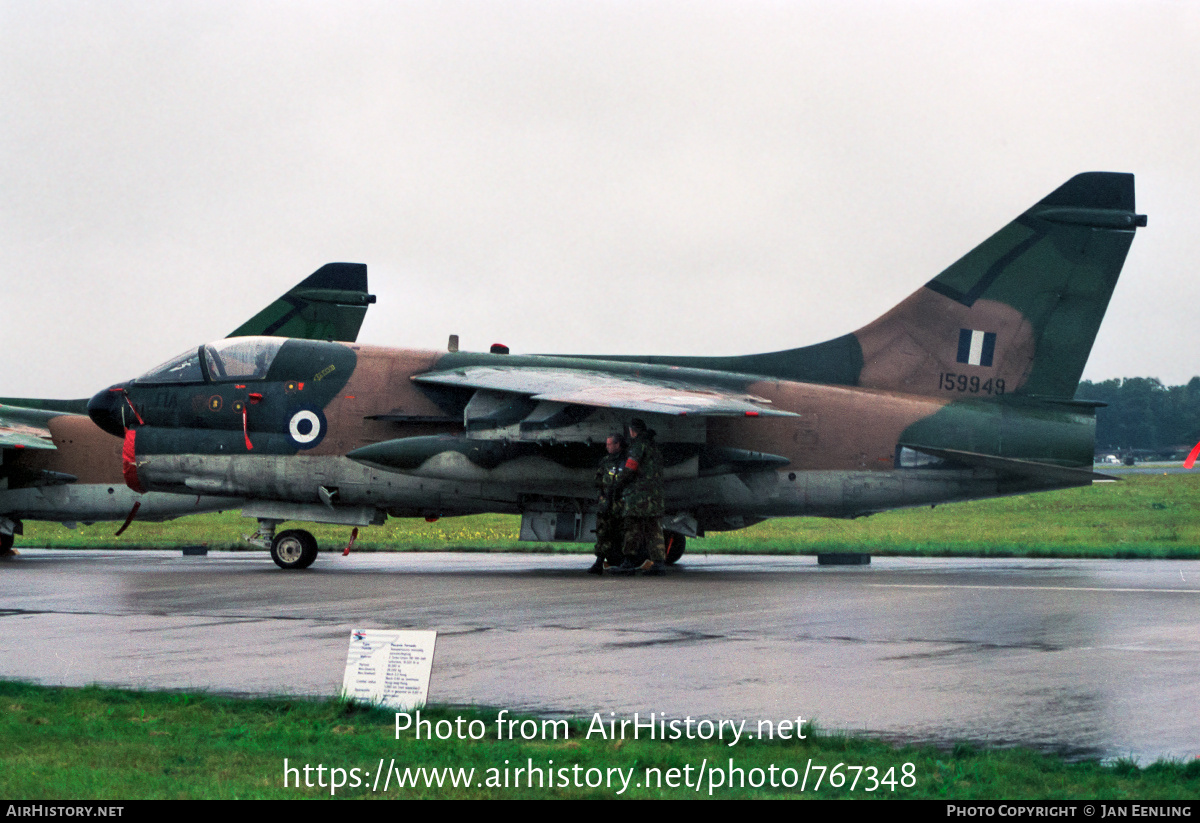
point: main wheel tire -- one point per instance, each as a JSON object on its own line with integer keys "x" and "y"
{"x": 676, "y": 543}
{"x": 294, "y": 549}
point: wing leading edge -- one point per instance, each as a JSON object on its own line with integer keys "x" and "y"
{"x": 601, "y": 390}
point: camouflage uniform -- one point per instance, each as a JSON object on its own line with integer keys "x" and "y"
{"x": 610, "y": 532}
{"x": 642, "y": 501}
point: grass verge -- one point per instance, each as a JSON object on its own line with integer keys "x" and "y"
{"x": 100, "y": 744}
{"x": 1152, "y": 516}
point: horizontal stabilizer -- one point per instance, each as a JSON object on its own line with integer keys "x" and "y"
{"x": 1081, "y": 476}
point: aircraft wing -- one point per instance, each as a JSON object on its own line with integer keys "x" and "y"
{"x": 25, "y": 428}
{"x": 617, "y": 391}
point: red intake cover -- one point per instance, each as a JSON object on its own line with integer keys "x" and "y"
{"x": 129, "y": 464}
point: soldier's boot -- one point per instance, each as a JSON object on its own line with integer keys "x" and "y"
{"x": 651, "y": 568}
{"x": 6, "y": 545}
{"x": 628, "y": 567}
{"x": 597, "y": 567}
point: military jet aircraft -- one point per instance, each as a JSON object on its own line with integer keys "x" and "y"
{"x": 964, "y": 390}
{"x": 56, "y": 465}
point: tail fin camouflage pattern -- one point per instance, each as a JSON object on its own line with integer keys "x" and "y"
{"x": 329, "y": 304}
{"x": 1019, "y": 313}
{"x": 1015, "y": 316}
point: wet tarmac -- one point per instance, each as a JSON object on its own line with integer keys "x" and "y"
{"x": 1086, "y": 658}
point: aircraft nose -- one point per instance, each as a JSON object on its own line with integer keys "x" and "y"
{"x": 105, "y": 410}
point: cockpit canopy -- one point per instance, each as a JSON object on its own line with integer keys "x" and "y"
{"x": 234, "y": 358}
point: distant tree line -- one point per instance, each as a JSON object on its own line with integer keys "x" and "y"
{"x": 1144, "y": 414}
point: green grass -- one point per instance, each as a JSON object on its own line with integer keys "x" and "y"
{"x": 1141, "y": 516}
{"x": 99, "y": 744}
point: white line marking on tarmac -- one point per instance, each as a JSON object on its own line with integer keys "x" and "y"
{"x": 1031, "y": 588}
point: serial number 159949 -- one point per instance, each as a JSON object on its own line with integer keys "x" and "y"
{"x": 950, "y": 381}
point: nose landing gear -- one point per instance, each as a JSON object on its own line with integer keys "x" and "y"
{"x": 294, "y": 549}
{"x": 291, "y": 549}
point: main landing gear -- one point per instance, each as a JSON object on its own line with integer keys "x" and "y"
{"x": 8, "y": 537}
{"x": 675, "y": 543}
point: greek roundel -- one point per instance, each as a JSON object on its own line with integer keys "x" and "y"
{"x": 307, "y": 427}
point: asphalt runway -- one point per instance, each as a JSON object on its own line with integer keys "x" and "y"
{"x": 1086, "y": 658}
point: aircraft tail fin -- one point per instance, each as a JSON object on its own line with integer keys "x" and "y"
{"x": 329, "y": 304}
{"x": 1016, "y": 316}
{"x": 1019, "y": 313}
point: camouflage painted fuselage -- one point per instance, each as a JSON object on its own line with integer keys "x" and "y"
{"x": 96, "y": 490}
{"x": 962, "y": 391}
{"x": 412, "y": 454}
{"x": 56, "y": 464}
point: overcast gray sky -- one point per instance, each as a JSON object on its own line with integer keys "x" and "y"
{"x": 624, "y": 177}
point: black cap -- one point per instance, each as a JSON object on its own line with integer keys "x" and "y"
{"x": 638, "y": 425}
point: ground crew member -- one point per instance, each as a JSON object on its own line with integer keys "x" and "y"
{"x": 641, "y": 487}
{"x": 609, "y": 527}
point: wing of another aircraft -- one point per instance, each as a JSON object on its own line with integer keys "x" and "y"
{"x": 24, "y": 428}
{"x": 23, "y": 437}
{"x": 628, "y": 392}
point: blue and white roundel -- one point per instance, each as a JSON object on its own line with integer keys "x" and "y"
{"x": 307, "y": 427}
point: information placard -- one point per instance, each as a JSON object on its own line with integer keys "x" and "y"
{"x": 389, "y": 668}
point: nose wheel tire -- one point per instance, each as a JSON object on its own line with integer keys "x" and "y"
{"x": 294, "y": 549}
